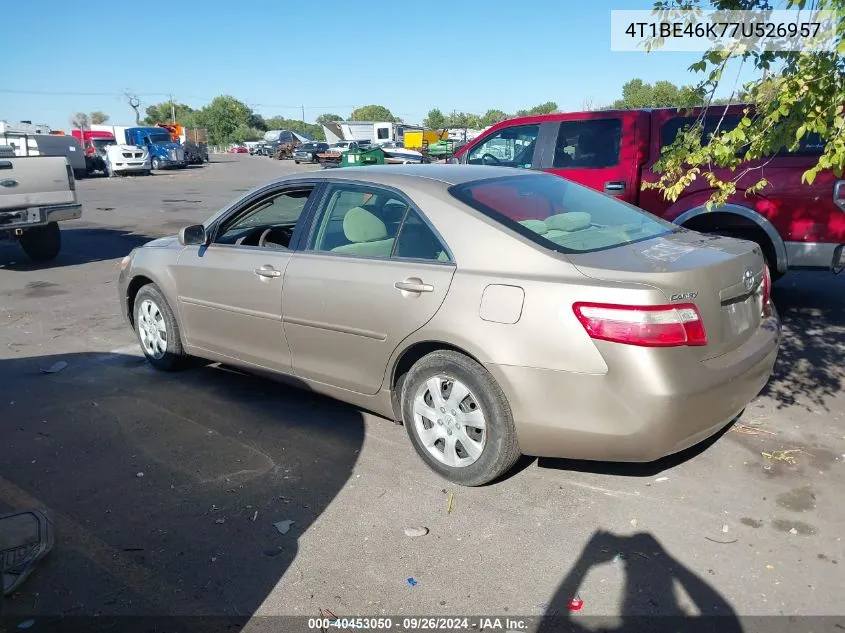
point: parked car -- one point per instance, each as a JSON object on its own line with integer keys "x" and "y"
{"x": 519, "y": 313}
{"x": 256, "y": 149}
{"x": 238, "y": 149}
{"x": 36, "y": 193}
{"x": 345, "y": 146}
{"x": 797, "y": 225}
{"x": 307, "y": 152}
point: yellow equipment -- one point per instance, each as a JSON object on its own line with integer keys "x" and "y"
{"x": 414, "y": 138}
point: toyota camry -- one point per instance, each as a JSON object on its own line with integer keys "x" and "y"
{"x": 493, "y": 311}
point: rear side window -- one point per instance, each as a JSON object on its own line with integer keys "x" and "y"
{"x": 810, "y": 145}
{"x": 559, "y": 214}
{"x": 588, "y": 144}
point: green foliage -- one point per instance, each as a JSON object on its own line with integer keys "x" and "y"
{"x": 549, "y": 107}
{"x": 491, "y": 117}
{"x": 98, "y": 118}
{"x": 797, "y": 94}
{"x": 372, "y": 113}
{"x": 160, "y": 113}
{"x": 227, "y": 120}
{"x": 328, "y": 118}
{"x": 435, "y": 120}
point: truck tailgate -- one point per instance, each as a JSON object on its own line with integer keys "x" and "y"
{"x": 35, "y": 181}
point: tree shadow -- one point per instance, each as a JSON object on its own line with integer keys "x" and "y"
{"x": 810, "y": 369}
{"x": 649, "y": 601}
{"x": 165, "y": 489}
{"x": 79, "y": 246}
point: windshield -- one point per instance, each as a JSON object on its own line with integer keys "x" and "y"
{"x": 560, "y": 214}
{"x": 160, "y": 138}
{"x": 102, "y": 143}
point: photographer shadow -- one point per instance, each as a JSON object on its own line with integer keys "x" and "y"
{"x": 649, "y": 600}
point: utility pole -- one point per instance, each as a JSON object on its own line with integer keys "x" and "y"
{"x": 172, "y": 109}
{"x": 303, "y": 114}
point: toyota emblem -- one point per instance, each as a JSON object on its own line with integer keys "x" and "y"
{"x": 748, "y": 279}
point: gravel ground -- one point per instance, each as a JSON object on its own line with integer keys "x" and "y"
{"x": 165, "y": 488}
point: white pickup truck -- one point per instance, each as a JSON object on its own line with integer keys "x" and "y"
{"x": 36, "y": 193}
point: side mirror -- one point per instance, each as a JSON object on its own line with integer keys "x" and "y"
{"x": 193, "y": 235}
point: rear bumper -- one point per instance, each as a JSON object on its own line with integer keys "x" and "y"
{"x": 38, "y": 216}
{"x": 815, "y": 255}
{"x": 646, "y": 407}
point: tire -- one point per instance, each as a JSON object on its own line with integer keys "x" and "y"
{"x": 42, "y": 243}
{"x": 173, "y": 356}
{"x": 156, "y": 163}
{"x": 296, "y": 161}
{"x": 499, "y": 450}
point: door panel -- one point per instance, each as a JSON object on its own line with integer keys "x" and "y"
{"x": 344, "y": 316}
{"x": 600, "y": 150}
{"x": 227, "y": 307}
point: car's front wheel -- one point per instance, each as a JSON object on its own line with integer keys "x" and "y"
{"x": 458, "y": 419}
{"x": 157, "y": 329}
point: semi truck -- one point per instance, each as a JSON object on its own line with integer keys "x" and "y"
{"x": 194, "y": 141}
{"x": 164, "y": 153}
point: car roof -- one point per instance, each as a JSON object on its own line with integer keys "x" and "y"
{"x": 439, "y": 175}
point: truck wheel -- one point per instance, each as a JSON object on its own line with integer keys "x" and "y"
{"x": 157, "y": 329}
{"x": 42, "y": 243}
{"x": 156, "y": 164}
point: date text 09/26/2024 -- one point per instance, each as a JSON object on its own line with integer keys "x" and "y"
{"x": 418, "y": 624}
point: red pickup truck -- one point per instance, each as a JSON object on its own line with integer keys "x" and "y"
{"x": 797, "y": 225}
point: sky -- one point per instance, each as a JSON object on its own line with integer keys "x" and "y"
{"x": 327, "y": 56}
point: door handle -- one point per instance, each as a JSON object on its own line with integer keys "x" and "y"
{"x": 268, "y": 271}
{"x": 413, "y": 284}
{"x": 616, "y": 186}
{"x": 10, "y": 182}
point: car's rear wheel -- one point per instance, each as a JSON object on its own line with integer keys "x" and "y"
{"x": 458, "y": 419}
{"x": 157, "y": 329}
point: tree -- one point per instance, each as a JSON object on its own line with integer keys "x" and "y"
{"x": 227, "y": 120}
{"x": 435, "y": 120}
{"x": 135, "y": 104}
{"x": 371, "y": 113}
{"x": 328, "y": 118}
{"x": 463, "y": 120}
{"x": 491, "y": 117}
{"x": 161, "y": 113}
{"x": 544, "y": 108}
{"x": 797, "y": 94}
{"x": 98, "y": 118}
{"x": 80, "y": 121}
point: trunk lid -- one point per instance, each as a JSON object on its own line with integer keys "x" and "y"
{"x": 722, "y": 276}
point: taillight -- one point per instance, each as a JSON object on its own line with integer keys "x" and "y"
{"x": 71, "y": 181}
{"x": 767, "y": 291}
{"x": 646, "y": 326}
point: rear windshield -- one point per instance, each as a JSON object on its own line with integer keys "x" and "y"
{"x": 559, "y": 214}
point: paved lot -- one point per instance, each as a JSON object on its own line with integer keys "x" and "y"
{"x": 165, "y": 488}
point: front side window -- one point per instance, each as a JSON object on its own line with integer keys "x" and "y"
{"x": 590, "y": 144}
{"x": 383, "y": 133}
{"x": 559, "y": 214}
{"x": 509, "y": 147}
{"x": 268, "y": 222}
